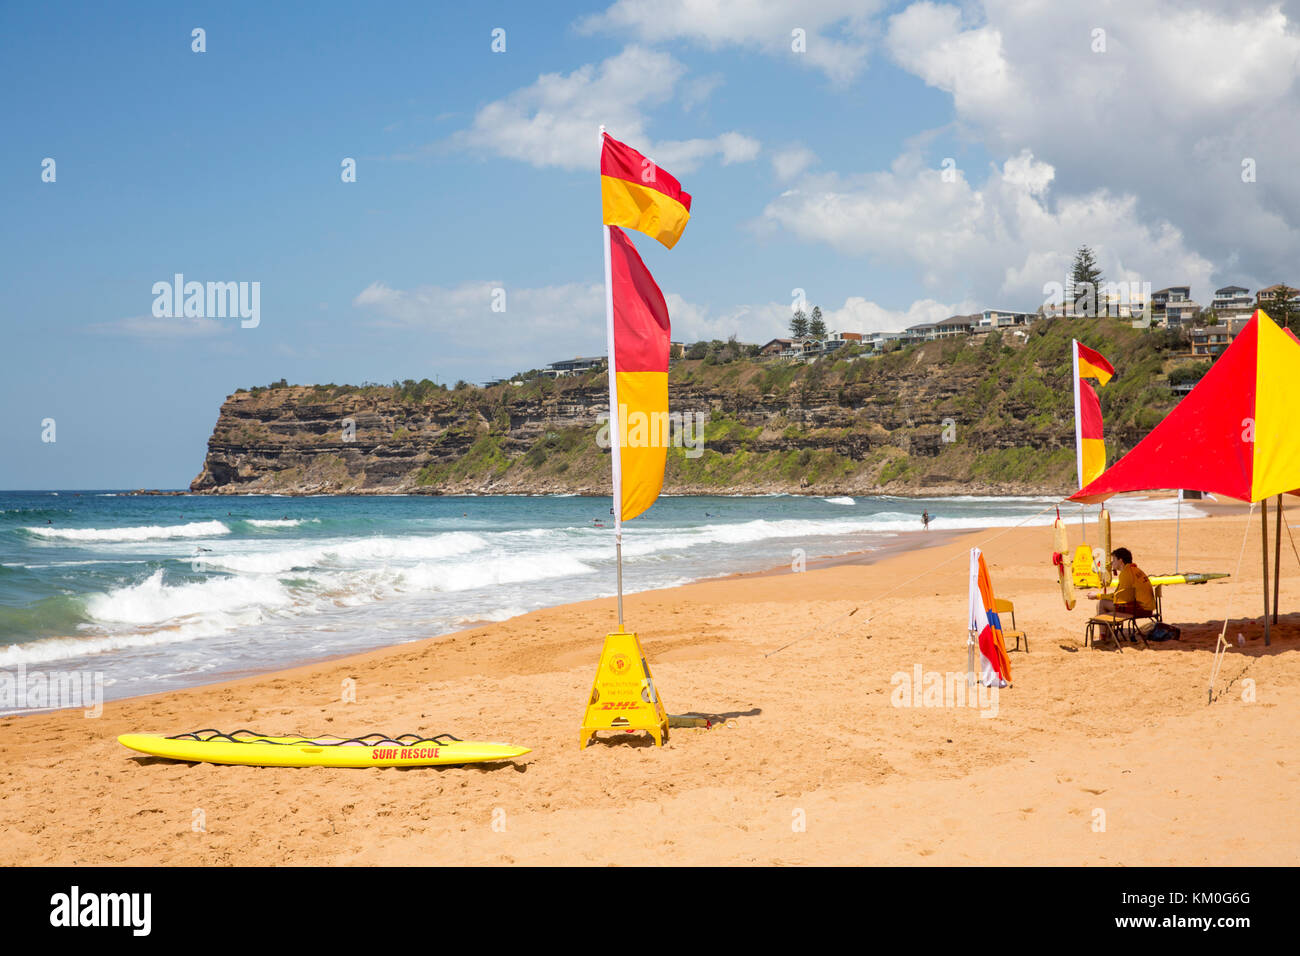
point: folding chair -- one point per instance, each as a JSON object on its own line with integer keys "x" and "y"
{"x": 1006, "y": 607}
{"x": 1113, "y": 624}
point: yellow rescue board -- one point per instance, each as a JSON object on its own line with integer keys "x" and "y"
{"x": 1103, "y": 526}
{"x": 256, "y": 751}
{"x": 1189, "y": 577}
{"x": 1059, "y": 557}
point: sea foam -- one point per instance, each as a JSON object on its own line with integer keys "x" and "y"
{"x": 195, "y": 529}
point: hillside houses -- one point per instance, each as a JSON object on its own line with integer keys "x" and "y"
{"x": 1232, "y": 301}
{"x": 1209, "y": 330}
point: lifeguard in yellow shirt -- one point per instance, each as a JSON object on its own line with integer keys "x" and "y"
{"x": 1133, "y": 592}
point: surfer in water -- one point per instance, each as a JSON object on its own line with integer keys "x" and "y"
{"x": 925, "y": 519}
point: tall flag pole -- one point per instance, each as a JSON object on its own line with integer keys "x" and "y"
{"x": 635, "y": 194}
{"x": 615, "y": 426}
{"x": 1090, "y": 445}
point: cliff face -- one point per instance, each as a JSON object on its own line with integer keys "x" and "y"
{"x": 943, "y": 418}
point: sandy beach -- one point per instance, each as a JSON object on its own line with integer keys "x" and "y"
{"x": 1093, "y": 757}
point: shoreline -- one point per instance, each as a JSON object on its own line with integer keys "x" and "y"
{"x": 820, "y": 734}
{"x": 897, "y": 543}
{"x": 937, "y": 491}
{"x": 857, "y": 557}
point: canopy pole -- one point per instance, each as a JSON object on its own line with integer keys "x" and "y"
{"x": 1264, "y": 514}
{"x": 1277, "y": 556}
{"x": 1178, "y": 529}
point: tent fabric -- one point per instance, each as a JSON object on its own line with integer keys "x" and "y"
{"x": 1230, "y": 435}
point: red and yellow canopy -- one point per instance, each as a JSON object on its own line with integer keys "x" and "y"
{"x": 1234, "y": 434}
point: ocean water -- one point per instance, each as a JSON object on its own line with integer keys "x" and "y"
{"x": 155, "y": 593}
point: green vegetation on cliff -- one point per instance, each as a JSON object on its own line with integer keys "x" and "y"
{"x": 992, "y": 413}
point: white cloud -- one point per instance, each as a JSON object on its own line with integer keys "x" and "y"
{"x": 546, "y": 324}
{"x": 539, "y": 325}
{"x": 859, "y": 315}
{"x": 837, "y": 33}
{"x": 555, "y": 121}
{"x": 466, "y": 311}
{"x": 996, "y": 243}
{"x": 1167, "y": 112}
{"x": 791, "y": 161}
{"x": 927, "y": 39}
{"x": 762, "y": 322}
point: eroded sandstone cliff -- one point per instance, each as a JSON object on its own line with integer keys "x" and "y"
{"x": 977, "y": 416}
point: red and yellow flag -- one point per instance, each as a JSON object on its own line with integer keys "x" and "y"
{"x": 638, "y": 372}
{"x": 1093, "y": 365}
{"x": 1089, "y": 443}
{"x": 639, "y": 195}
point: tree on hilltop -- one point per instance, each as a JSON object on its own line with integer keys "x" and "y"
{"x": 1085, "y": 284}
{"x": 817, "y": 327}
{"x": 1281, "y": 310}
{"x": 799, "y": 325}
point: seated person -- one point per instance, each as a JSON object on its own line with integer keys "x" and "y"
{"x": 1133, "y": 591}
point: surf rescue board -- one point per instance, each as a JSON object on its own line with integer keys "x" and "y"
{"x": 1060, "y": 559}
{"x": 249, "y": 749}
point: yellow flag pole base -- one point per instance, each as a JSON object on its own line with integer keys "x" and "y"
{"x": 623, "y": 695}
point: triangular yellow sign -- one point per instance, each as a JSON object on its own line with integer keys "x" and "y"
{"x": 623, "y": 695}
{"x": 1084, "y": 568}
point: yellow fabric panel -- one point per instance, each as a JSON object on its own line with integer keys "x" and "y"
{"x": 647, "y": 210}
{"x": 1094, "y": 459}
{"x": 1088, "y": 370}
{"x": 1277, "y": 439}
{"x": 644, "y": 437}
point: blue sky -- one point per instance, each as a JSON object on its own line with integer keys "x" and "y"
{"x": 817, "y": 170}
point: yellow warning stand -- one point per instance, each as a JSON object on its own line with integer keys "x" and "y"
{"x": 623, "y": 695}
{"x": 1084, "y": 568}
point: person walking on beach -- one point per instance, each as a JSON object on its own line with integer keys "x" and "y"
{"x": 925, "y": 519}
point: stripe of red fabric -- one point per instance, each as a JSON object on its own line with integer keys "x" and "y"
{"x": 1089, "y": 412}
{"x": 641, "y": 327}
{"x": 989, "y": 648}
{"x": 623, "y": 162}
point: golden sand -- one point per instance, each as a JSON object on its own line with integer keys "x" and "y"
{"x": 1094, "y": 757}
